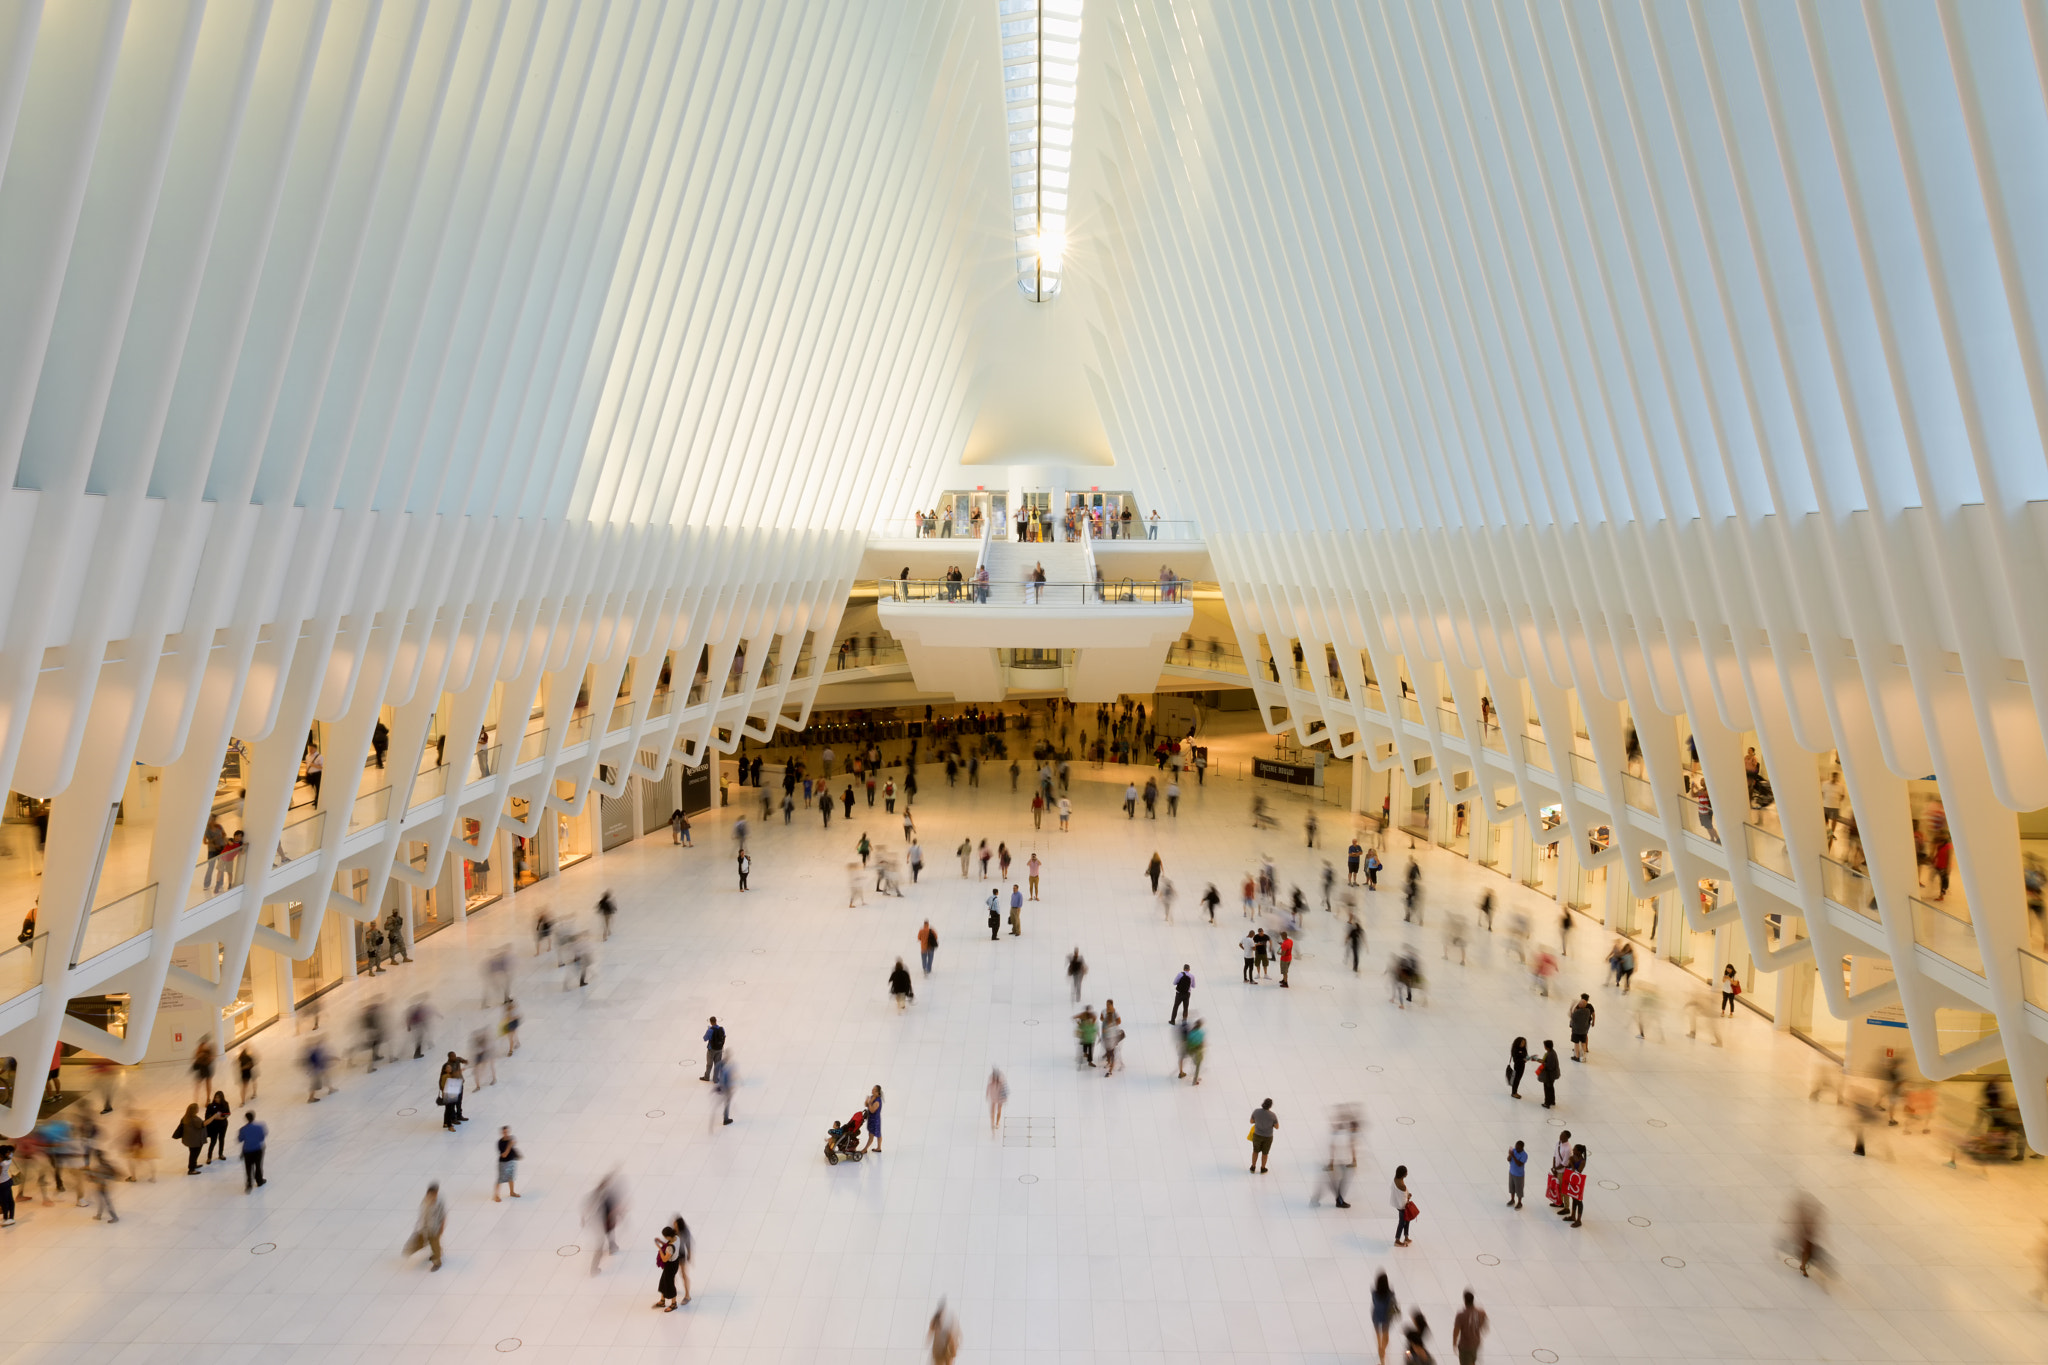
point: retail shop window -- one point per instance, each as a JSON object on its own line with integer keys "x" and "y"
{"x": 482, "y": 883}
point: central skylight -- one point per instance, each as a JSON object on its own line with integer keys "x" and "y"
{"x": 1041, "y": 59}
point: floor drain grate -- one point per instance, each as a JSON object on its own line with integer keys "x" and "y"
{"x": 1030, "y": 1132}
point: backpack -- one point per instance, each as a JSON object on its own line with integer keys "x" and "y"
{"x": 718, "y": 1037}
{"x": 934, "y": 940}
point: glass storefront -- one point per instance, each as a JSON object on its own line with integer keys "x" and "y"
{"x": 481, "y": 882}
{"x": 572, "y": 839}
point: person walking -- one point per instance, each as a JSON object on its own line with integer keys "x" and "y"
{"x": 1031, "y": 866}
{"x": 678, "y": 824}
{"x": 1112, "y": 1036}
{"x": 1546, "y": 1072}
{"x": 1183, "y": 991}
{"x": 1194, "y": 1044}
{"x": 508, "y": 1166}
{"x": 899, "y": 986}
{"x": 1086, "y": 1027}
{"x": 1403, "y": 1201}
{"x": 927, "y": 944}
{"x": 943, "y": 1336}
{"x": 1582, "y": 1027}
{"x": 1077, "y": 968}
{"x": 724, "y": 1081}
{"x": 872, "y": 1108}
{"x": 998, "y": 1092}
{"x": 428, "y": 1227}
{"x": 1343, "y": 1159}
{"x": 1518, "y": 1061}
{"x": 607, "y": 907}
{"x": 605, "y": 1210}
{"x": 714, "y": 1047}
{"x": 1386, "y": 1310}
{"x": 1152, "y": 870}
{"x": 1564, "y": 933}
{"x": 1518, "y": 1166}
{"x": 1264, "y": 1121}
{"x": 252, "y": 1136}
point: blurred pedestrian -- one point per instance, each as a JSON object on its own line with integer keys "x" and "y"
{"x": 899, "y": 986}
{"x": 1467, "y": 1329}
{"x": 428, "y": 1227}
{"x": 1806, "y": 1224}
{"x": 1112, "y": 1036}
{"x": 508, "y": 1165}
{"x": 998, "y": 1092}
{"x": 724, "y": 1080}
{"x": 245, "y": 1068}
{"x": 1343, "y": 1159}
{"x": 607, "y": 907}
{"x": 1386, "y": 1310}
{"x": 943, "y": 1336}
{"x": 605, "y": 1209}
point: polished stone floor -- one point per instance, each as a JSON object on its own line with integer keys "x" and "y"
{"x": 1112, "y": 1219}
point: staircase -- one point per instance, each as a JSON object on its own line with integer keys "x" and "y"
{"x": 1009, "y": 564}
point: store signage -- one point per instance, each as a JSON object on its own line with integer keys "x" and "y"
{"x": 1273, "y": 770}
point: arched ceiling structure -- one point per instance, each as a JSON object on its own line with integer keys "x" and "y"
{"x": 1631, "y": 360}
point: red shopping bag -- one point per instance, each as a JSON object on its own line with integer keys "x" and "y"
{"x": 1575, "y": 1185}
{"x": 1550, "y": 1188}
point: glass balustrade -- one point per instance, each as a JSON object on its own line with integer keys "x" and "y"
{"x": 1411, "y": 710}
{"x": 300, "y": 838}
{"x": 1108, "y": 593}
{"x": 1374, "y": 699}
{"x": 534, "y": 742}
{"x": 429, "y": 784}
{"x": 483, "y": 764}
{"x": 2033, "y": 979}
{"x": 1447, "y": 720}
{"x": 579, "y": 728}
{"x": 21, "y": 967}
{"x": 622, "y": 713}
{"x": 213, "y": 875}
{"x": 370, "y": 808}
{"x": 1847, "y": 887}
{"x": 1689, "y": 818}
{"x": 1767, "y": 850}
{"x": 1535, "y": 753}
{"x": 1495, "y": 740}
{"x": 1585, "y": 771}
{"x": 1638, "y": 793}
{"x": 663, "y": 701}
{"x": 1946, "y": 935}
{"x": 113, "y": 924}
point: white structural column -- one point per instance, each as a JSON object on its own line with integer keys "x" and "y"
{"x": 439, "y": 363}
{"x": 1678, "y": 363}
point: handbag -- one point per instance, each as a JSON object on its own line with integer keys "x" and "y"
{"x": 1409, "y": 1213}
{"x": 1251, "y": 1135}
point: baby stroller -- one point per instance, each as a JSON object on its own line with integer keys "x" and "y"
{"x": 842, "y": 1141}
